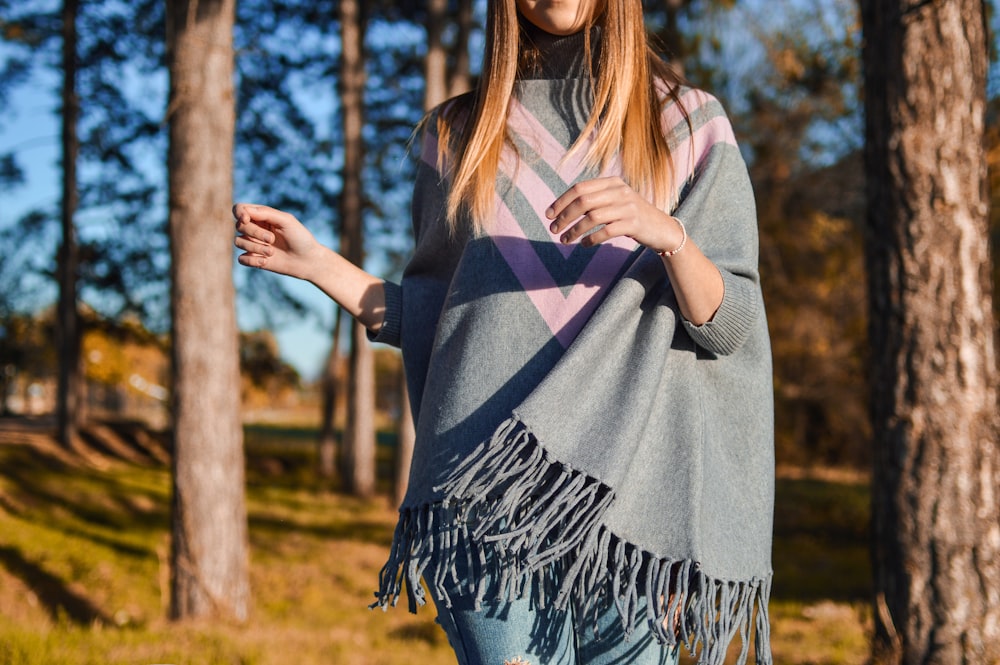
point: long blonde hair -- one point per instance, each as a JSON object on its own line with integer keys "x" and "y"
{"x": 625, "y": 119}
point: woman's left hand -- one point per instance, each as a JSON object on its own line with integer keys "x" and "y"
{"x": 611, "y": 203}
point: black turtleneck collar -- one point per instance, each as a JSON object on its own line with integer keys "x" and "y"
{"x": 548, "y": 56}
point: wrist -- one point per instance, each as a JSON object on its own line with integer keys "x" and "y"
{"x": 671, "y": 251}
{"x": 318, "y": 262}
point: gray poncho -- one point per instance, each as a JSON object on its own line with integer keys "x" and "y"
{"x": 609, "y": 449}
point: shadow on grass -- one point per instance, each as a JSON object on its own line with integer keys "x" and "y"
{"x": 424, "y": 631}
{"x": 266, "y": 530}
{"x": 125, "y": 441}
{"x": 821, "y": 541}
{"x": 37, "y": 492}
{"x": 59, "y": 601}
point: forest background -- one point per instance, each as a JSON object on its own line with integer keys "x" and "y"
{"x": 788, "y": 72}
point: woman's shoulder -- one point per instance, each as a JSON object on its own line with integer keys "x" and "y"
{"x": 439, "y": 132}
{"x": 454, "y": 112}
{"x": 687, "y": 99}
{"x": 686, "y": 110}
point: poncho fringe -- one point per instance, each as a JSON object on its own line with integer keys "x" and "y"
{"x": 535, "y": 517}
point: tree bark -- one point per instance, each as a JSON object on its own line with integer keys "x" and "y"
{"x": 209, "y": 553}
{"x": 406, "y": 438}
{"x": 447, "y": 71}
{"x": 671, "y": 35}
{"x": 936, "y": 476}
{"x": 460, "y": 78}
{"x": 436, "y": 60}
{"x": 359, "y": 437}
{"x": 69, "y": 392}
{"x": 327, "y": 442}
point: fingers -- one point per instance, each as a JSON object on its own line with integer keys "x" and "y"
{"x": 604, "y": 202}
{"x": 254, "y": 232}
{"x": 575, "y": 202}
{"x": 255, "y": 222}
{"x": 255, "y": 253}
{"x": 258, "y": 221}
{"x": 259, "y": 213}
{"x": 252, "y": 260}
{"x": 253, "y": 238}
{"x": 251, "y": 246}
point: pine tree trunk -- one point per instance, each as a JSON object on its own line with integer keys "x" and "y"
{"x": 69, "y": 391}
{"x": 209, "y": 554}
{"x": 359, "y": 437}
{"x": 671, "y": 35}
{"x": 436, "y": 60}
{"x": 936, "y": 476}
{"x": 460, "y": 79}
{"x": 326, "y": 445}
{"x": 406, "y": 437}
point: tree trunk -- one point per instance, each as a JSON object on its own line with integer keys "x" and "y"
{"x": 209, "y": 553}
{"x": 327, "y": 443}
{"x": 446, "y": 73}
{"x": 460, "y": 80}
{"x": 671, "y": 35}
{"x": 936, "y": 525}
{"x": 69, "y": 395}
{"x": 359, "y": 437}
{"x": 436, "y": 60}
{"x": 406, "y": 437}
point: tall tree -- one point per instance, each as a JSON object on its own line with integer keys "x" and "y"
{"x": 69, "y": 397}
{"x": 406, "y": 436}
{"x": 359, "y": 440}
{"x": 209, "y": 560}
{"x": 670, "y": 34}
{"x": 935, "y": 512}
{"x": 460, "y": 78}
{"x": 326, "y": 443}
{"x": 436, "y": 59}
{"x": 446, "y": 70}
{"x": 115, "y": 133}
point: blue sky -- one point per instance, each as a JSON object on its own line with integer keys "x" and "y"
{"x": 31, "y": 129}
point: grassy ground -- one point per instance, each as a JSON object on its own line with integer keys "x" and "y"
{"x": 83, "y": 563}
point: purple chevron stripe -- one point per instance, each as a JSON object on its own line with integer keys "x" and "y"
{"x": 541, "y": 197}
{"x": 564, "y": 315}
{"x": 524, "y": 124}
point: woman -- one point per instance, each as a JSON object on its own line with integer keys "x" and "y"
{"x": 587, "y": 355}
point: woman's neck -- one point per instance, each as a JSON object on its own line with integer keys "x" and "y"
{"x": 548, "y": 56}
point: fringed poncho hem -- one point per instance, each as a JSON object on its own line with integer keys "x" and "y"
{"x": 538, "y": 531}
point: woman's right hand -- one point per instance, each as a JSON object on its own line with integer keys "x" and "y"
{"x": 275, "y": 241}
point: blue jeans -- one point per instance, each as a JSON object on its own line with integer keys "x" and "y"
{"x": 503, "y": 632}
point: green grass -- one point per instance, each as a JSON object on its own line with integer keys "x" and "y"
{"x": 83, "y": 566}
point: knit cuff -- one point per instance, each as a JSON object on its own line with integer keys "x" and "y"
{"x": 389, "y": 332}
{"x": 732, "y": 323}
